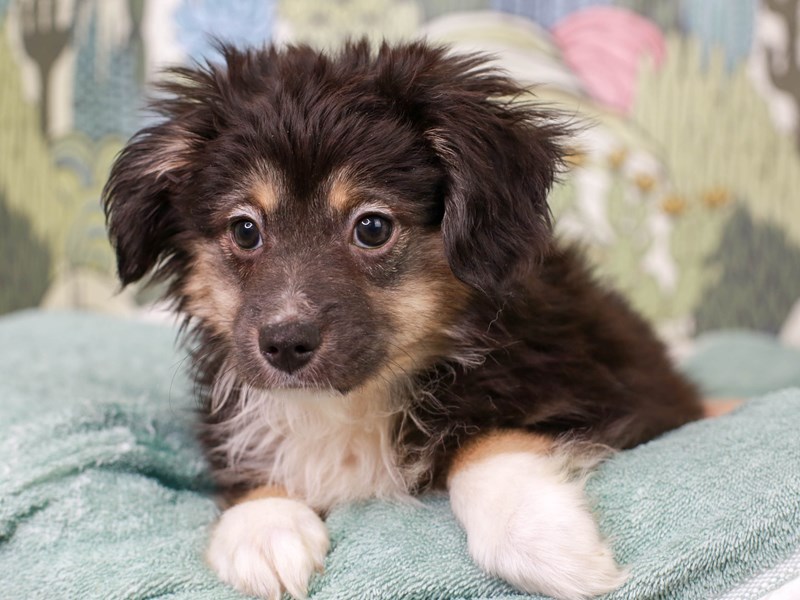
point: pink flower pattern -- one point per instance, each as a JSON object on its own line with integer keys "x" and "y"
{"x": 605, "y": 46}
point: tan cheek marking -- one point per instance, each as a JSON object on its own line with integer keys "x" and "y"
{"x": 210, "y": 296}
{"x": 265, "y": 194}
{"x": 500, "y": 442}
{"x": 424, "y": 308}
{"x": 413, "y": 313}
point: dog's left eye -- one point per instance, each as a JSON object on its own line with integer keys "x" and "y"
{"x": 246, "y": 234}
{"x": 372, "y": 231}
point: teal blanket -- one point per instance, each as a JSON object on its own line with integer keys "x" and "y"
{"x": 104, "y": 492}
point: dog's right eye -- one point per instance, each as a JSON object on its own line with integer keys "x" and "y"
{"x": 246, "y": 234}
{"x": 372, "y": 231}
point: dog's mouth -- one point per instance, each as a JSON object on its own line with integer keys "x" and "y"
{"x": 304, "y": 385}
{"x": 314, "y": 376}
{"x": 310, "y": 377}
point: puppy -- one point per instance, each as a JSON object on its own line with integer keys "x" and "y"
{"x": 376, "y": 306}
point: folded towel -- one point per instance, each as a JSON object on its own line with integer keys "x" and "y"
{"x": 104, "y": 492}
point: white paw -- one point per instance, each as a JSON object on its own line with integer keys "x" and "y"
{"x": 268, "y": 546}
{"x": 527, "y": 524}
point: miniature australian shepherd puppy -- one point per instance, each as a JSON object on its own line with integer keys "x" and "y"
{"x": 362, "y": 248}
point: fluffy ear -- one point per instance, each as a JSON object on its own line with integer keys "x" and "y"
{"x": 157, "y": 164}
{"x": 501, "y": 163}
{"x": 137, "y": 199}
{"x": 501, "y": 156}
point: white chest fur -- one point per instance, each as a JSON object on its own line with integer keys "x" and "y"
{"x": 323, "y": 447}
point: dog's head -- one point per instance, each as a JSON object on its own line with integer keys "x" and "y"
{"x": 325, "y": 218}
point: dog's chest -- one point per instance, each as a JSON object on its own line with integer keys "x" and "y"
{"x": 321, "y": 446}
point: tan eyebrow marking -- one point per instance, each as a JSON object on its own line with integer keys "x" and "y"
{"x": 341, "y": 196}
{"x": 265, "y": 194}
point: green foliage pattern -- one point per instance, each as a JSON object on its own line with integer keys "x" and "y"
{"x": 25, "y": 267}
{"x": 759, "y": 277}
{"x": 54, "y": 189}
{"x": 715, "y": 130}
{"x": 692, "y": 109}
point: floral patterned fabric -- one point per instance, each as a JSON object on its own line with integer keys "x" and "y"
{"x": 683, "y": 178}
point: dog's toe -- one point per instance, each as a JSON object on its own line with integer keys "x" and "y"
{"x": 268, "y": 546}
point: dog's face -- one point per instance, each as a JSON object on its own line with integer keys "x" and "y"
{"x": 325, "y": 286}
{"x": 326, "y": 220}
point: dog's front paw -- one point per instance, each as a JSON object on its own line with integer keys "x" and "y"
{"x": 268, "y": 546}
{"x": 529, "y": 525}
{"x": 556, "y": 550}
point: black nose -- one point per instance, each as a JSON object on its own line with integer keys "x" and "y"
{"x": 289, "y": 346}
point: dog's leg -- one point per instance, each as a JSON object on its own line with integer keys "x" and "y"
{"x": 266, "y": 544}
{"x": 526, "y": 521}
